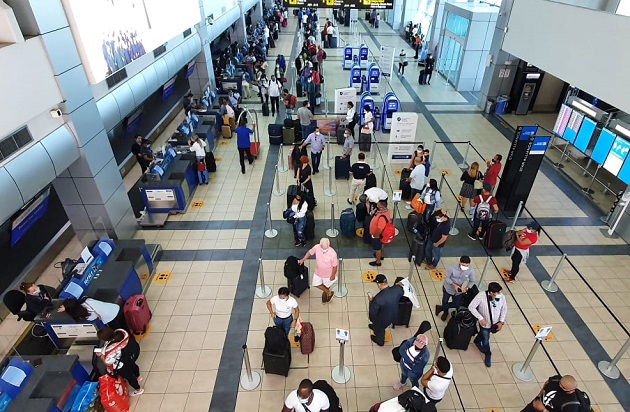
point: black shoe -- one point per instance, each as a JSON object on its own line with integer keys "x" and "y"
{"x": 444, "y": 316}
{"x": 438, "y": 310}
{"x": 373, "y": 338}
{"x": 375, "y": 263}
{"x": 297, "y": 243}
{"x": 243, "y": 171}
{"x": 371, "y": 326}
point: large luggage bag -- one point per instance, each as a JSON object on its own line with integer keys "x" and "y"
{"x": 341, "y": 138}
{"x": 114, "y": 394}
{"x": 365, "y": 142}
{"x": 404, "y": 312}
{"x": 412, "y": 219}
{"x": 211, "y": 164}
{"x": 347, "y": 222}
{"x": 87, "y": 399}
{"x": 265, "y": 109}
{"x": 292, "y": 191}
{"x": 405, "y": 186}
{"x": 366, "y": 230}
{"x": 342, "y": 167}
{"x": 493, "y": 238}
{"x": 307, "y": 340}
{"x": 299, "y": 284}
{"x": 422, "y": 77}
{"x": 298, "y": 89}
{"x": 277, "y": 352}
{"x": 226, "y": 131}
{"x": 288, "y": 135}
{"x": 292, "y": 268}
{"x": 361, "y": 212}
{"x": 275, "y": 134}
{"x": 417, "y": 250}
{"x": 370, "y": 181}
{"x": 460, "y": 329}
{"x": 137, "y": 313}
{"x": 309, "y": 230}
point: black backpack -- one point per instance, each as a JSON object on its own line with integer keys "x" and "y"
{"x": 276, "y": 341}
{"x": 292, "y": 268}
{"x": 333, "y": 399}
{"x": 582, "y": 397}
{"x": 414, "y": 401}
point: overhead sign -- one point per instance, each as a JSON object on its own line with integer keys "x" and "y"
{"x": 369, "y": 4}
{"x": 386, "y": 61}
{"x": 402, "y": 136}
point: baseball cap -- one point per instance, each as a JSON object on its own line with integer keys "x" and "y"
{"x": 487, "y": 187}
{"x": 380, "y": 279}
{"x": 421, "y": 340}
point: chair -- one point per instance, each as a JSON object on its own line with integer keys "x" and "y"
{"x": 14, "y": 301}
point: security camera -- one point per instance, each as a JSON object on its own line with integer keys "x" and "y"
{"x": 56, "y": 113}
{"x": 210, "y": 19}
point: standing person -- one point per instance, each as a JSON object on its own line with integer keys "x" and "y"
{"x": 92, "y": 310}
{"x": 429, "y": 64}
{"x": 290, "y": 102}
{"x": 414, "y": 356}
{"x": 557, "y": 395}
{"x": 136, "y": 149}
{"x": 326, "y": 264}
{"x": 263, "y": 85}
{"x": 437, "y": 239}
{"x": 484, "y": 206}
{"x": 493, "y": 170}
{"x": 299, "y": 207}
{"x": 119, "y": 354}
{"x": 281, "y": 308}
{"x": 348, "y": 144}
{"x": 359, "y": 172}
{"x": 379, "y": 220}
{"x": 468, "y": 191}
{"x": 402, "y": 62}
{"x": 36, "y": 297}
{"x": 368, "y": 121}
{"x": 305, "y": 176}
{"x": 187, "y": 102}
{"x": 305, "y": 116}
{"x": 275, "y": 87}
{"x": 198, "y": 146}
{"x": 306, "y": 399}
{"x": 525, "y": 238}
{"x": 431, "y": 197}
{"x": 437, "y": 379}
{"x": 243, "y": 143}
{"x": 351, "y": 117}
{"x": 416, "y": 153}
{"x": 318, "y": 144}
{"x": 459, "y": 278}
{"x": 311, "y": 91}
{"x": 383, "y": 309}
{"x": 417, "y": 41}
{"x": 416, "y": 178}
{"x": 490, "y": 309}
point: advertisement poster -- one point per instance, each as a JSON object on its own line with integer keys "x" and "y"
{"x": 617, "y": 155}
{"x": 323, "y": 4}
{"x": 342, "y": 97}
{"x": 402, "y": 137}
{"x": 386, "y": 61}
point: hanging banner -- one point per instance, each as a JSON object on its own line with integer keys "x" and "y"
{"x": 386, "y": 61}
{"x": 342, "y": 97}
{"x": 369, "y": 4}
{"x": 402, "y": 137}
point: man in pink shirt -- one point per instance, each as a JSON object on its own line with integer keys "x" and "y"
{"x": 326, "y": 263}
{"x": 492, "y": 173}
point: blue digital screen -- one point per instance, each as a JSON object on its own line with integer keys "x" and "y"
{"x": 617, "y": 155}
{"x": 585, "y": 134}
{"x": 603, "y": 145}
{"x": 569, "y": 135}
{"x": 624, "y": 173}
{"x": 527, "y": 131}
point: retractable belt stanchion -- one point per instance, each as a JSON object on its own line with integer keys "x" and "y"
{"x": 341, "y": 373}
{"x": 251, "y": 379}
{"x": 550, "y": 285}
{"x": 516, "y": 215}
{"x": 608, "y": 368}
{"x": 331, "y": 190}
{"x": 454, "y": 231}
{"x": 327, "y": 165}
{"x": 441, "y": 182}
{"x": 480, "y": 283}
{"x": 522, "y": 370}
{"x": 463, "y": 164}
{"x": 383, "y": 177}
{"x": 271, "y": 232}
{"x": 277, "y": 191}
{"x": 373, "y": 150}
{"x": 396, "y": 231}
{"x": 332, "y": 232}
{"x": 339, "y": 289}
{"x": 283, "y": 168}
{"x": 262, "y": 291}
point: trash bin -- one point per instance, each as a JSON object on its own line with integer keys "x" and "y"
{"x": 490, "y": 105}
{"x": 502, "y": 102}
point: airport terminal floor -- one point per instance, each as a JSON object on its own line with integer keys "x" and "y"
{"x": 192, "y": 358}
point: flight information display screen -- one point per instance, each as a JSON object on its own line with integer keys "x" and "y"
{"x": 617, "y": 155}
{"x": 575, "y": 121}
{"x": 562, "y": 120}
{"x": 584, "y": 135}
{"x": 603, "y": 145}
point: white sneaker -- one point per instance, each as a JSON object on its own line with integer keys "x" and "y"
{"x": 398, "y": 386}
{"x": 136, "y": 392}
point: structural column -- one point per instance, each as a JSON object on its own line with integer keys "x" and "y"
{"x": 204, "y": 68}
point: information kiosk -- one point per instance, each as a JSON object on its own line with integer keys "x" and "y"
{"x": 347, "y": 61}
{"x": 374, "y": 78}
{"x": 355, "y": 77}
{"x": 366, "y": 99}
{"x": 390, "y": 106}
{"x": 363, "y": 56}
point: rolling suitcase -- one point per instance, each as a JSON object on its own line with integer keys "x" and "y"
{"x": 342, "y": 167}
{"x": 365, "y": 142}
{"x": 417, "y": 250}
{"x": 494, "y": 235}
{"x": 412, "y": 219}
{"x": 309, "y": 230}
{"x": 275, "y": 134}
{"x": 299, "y": 284}
{"x": 298, "y": 89}
{"x": 366, "y": 230}
{"x": 405, "y": 186}
{"x": 265, "y": 109}
{"x": 318, "y": 99}
{"x": 370, "y": 181}
{"x": 137, "y": 313}
{"x": 288, "y": 135}
{"x": 307, "y": 340}
{"x": 333, "y": 43}
{"x": 404, "y": 312}
{"x": 292, "y": 191}
{"x": 226, "y": 131}
{"x": 292, "y": 269}
{"x": 422, "y": 77}
{"x": 460, "y": 329}
{"x": 361, "y": 212}
{"x": 341, "y": 138}
{"x": 347, "y": 222}
{"x": 277, "y": 352}
{"x": 211, "y": 164}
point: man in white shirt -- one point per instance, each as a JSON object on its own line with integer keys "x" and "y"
{"x": 490, "y": 309}
{"x": 416, "y": 178}
{"x": 437, "y": 379}
{"x": 281, "y": 309}
{"x": 306, "y": 399}
{"x": 275, "y": 87}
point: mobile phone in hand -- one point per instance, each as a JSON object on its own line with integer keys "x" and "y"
{"x": 369, "y": 295}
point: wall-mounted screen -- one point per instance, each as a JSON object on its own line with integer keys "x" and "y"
{"x": 617, "y": 155}
{"x": 575, "y": 121}
{"x": 562, "y": 120}
{"x": 624, "y": 173}
{"x": 603, "y": 145}
{"x": 584, "y": 135}
{"x": 111, "y": 34}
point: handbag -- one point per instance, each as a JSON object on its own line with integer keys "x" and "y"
{"x": 494, "y": 328}
{"x": 418, "y": 205}
{"x": 478, "y": 185}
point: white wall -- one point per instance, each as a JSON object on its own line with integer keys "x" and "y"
{"x": 592, "y": 56}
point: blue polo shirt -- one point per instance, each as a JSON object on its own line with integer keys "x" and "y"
{"x": 242, "y": 137}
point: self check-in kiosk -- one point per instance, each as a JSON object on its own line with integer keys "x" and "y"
{"x": 363, "y": 56}
{"x": 355, "y": 77}
{"x": 347, "y": 61}
{"x": 366, "y": 98}
{"x": 374, "y": 78}
{"x": 390, "y": 106}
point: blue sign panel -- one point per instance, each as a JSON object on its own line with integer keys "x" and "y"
{"x": 617, "y": 155}
{"x": 539, "y": 146}
{"x": 585, "y": 134}
{"x": 602, "y": 147}
{"x": 528, "y": 131}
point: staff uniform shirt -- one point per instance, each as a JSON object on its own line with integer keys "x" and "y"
{"x": 324, "y": 262}
{"x": 318, "y": 403}
{"x": 370, "y": 126}
{"x": 417, "y": 177}
{"x": 348, "y": 144}
{"x": 479, "y": 309}
{"x": 107, "y": 311}
{"x": 360, "y": 170}
{"x": 455, "y": 274}
{"x": 437, "y": 385}
{"x": 317, "y": 142}
{"x": 284, "y": 307}
{"x": 242, "y": 137}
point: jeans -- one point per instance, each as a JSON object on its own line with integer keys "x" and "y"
{"x": 300, "y": 225}
{"x": 429, "y": 211}
{"x": 379, "y": 334}
{"x": 476, "y": 224}
{"x": 203, "y": 177}
{"x": 284, "y": 323}
{"x": 275, "y": 105}
{"x": 516, "y": 263}
{"x": 241, "y": 154}
{"x": 432, "y": 254}
{"x": 316, "y": 158}
{"x": 305, "y": 131}
{"x": 483, "y": 340}
{"x": 455, "y": 302}
{"x": 407, "y": 374}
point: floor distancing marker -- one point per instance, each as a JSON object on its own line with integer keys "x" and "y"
{"x": 144, "y": 276}
{"x": 388, "y": 335}
{"x": 445, "y": 172}
{"x": 292, "y": 341}
{"x": 494, "y": 410}
{"x": 162, "y": 277}
{"x": 140, "y": 336}
{"x": 211, "y": 178}
{"x": 438, "y": 275}
{"x": 398, "y": 172}
{"x": 368, "y": 276}
{"x": 197, "y": 204}
{"x": 359, "y": 232}
{"x": 549, "y": 337}
{"x": 217, "y": 159}
{"x": 504, "y": 274}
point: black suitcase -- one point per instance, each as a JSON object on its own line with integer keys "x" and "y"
{"x": 277, "y": 364}
{"x": 211, "y": 164}
{"x": 299, "y": 284}
{"x": 292, "y": 191}
{"x": 342, "y": 167}
{"x": 460, "y": 329}
{"x": 288, "y": 135}
{"x": 272, "y": 43}
{"x": 366, "y": 230}
{"x": 365, "y": 142}
{"x": 405, "y": 186}
{"x": 298, "y": 89}
{"x": 412, "y": 219}
{"x": 275, "y": 35}
{"x": 422, "y": 77}
{"x": 404, "y": 312}
{"x": 265, "y": 109}
{"x": 469, "y": 296}
{"x": 341, "y": 138}
{"x": 309, "y": 230}
{"x": 288, "y": 123}
{"x": 417, "y": 250}
{"x": 360, "y": 212}
{"x": 370, "y": 181}
{"x": 275, "y": 132}
{"x": 493, "y": 238}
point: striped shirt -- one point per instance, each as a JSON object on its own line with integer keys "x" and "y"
{"x": 479, "y": 309}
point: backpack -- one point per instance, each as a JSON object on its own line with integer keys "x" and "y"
{"x": 414, "y": 401}
{"x": 509, "y": 240}
{"x": 482, "y": 209}
{"x": 333, "y": 399}
{"x": 355, "y": 118}
{"x": 389, "y": 231}
{"x": 582, "y": 397}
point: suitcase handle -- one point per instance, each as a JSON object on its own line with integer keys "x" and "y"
{"x": 139, "y": 302}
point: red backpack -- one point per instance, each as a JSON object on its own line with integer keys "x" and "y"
{"x": 389, "y": 231}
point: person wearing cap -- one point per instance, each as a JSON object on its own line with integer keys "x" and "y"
{"x": 525, "y": 238}
{"x": 383, "y": 309}
{"x": 437, "y": 379}
{"x": 414, "y": 355}
{"x": 481, "y": 219}
{"x": 459, "y": 278}
{"x": 490, "y": 309}
{"x": 326, "y": 264}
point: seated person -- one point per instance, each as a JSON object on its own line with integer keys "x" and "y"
{"x": 37, "y": 297}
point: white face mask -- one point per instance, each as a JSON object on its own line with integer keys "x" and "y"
{"x": 324, "y": 250}
{"x": 34, "y": 292}
{"x": 316, "y": 133}
{"x": 303, "y": 401}
{"x": 462, "y": 267}
{"x": 498, "y": 297}
{"x": 439, "y": 220}
{"x": 529, "y": 231}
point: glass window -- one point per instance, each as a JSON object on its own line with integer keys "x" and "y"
{"x": 457, "y": 25}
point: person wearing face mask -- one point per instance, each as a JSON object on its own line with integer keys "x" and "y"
{"x": 351, "y": 117}
{"x": 281, "y": 308}
{"x": 440, "y": 227}
{"x": 348, "y": 144}
{"x": 492, "y": 173}
{"x": 274, "y": 93}
{"x": 318, "y": 143}
{"x": 326, "y": 264}
{"x": 416, "y": 153}
{"x": 459, "y": 278}
{"x": 414, "y": 356}
{"x": 525, "y": 238}
{"x": 490, "y": 309}
{"x": 311, "y": 91}
{"x": 37, "y": 297}
{"x": 306, "y": 399}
